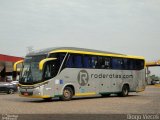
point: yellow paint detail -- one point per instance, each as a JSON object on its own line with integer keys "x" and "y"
{"x": 41, "y": 63}
{"x": 98, "y": 53}
{"x": 157, "y": 85}
{"x": 33, "y": 96}
{"x": 15, "y": 65}
{"x": 85, "y": 94}
{"x": 32, "y": 85}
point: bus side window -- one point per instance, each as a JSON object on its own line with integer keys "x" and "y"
{"x": 53, "y": 55}
{"x": 86, "y": 61}
{"x": 139, "y": 64}
{"x": 50, "y": 70}
{"x": 107, "y": 63}
{"x": 78, "y": 61}
{"x": 132, "y": 64}
{"x": 103, "y": 63}
{"x": 126, "y": 64}
{"x": 93, "y": 62}
{"x": 99, "y": 63}
{"x": 61, "y": 57}
{"x": 117, "y": 63}
{"x": 142, "y": 64}
{"x": 69, "y": 63}
{"x": 47, "y": 73}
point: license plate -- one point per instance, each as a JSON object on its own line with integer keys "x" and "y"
{"x": 26, "y": 94}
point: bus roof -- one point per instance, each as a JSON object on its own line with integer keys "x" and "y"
{"x": 81, "y": 51}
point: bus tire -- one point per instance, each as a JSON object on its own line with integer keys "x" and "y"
{"x": 67, "y": 94}
{"x": 125, "y": 91}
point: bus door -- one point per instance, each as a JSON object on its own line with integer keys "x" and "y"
{"x": 50, "y": 71}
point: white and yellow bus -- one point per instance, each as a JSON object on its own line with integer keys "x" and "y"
{"x": 66, "y": 72}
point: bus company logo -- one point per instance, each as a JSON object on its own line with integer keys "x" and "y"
{"x": 83, "y": 77}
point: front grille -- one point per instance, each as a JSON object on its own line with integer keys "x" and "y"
{"x": 28, "y": 93}
{"x": 27, "y": 87}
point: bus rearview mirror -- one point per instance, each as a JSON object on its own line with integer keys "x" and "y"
{"x": 16, "y": 64}
{"x": 42, "y": 62}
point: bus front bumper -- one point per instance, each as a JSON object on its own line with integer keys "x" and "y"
{"x": 32, "y": 92}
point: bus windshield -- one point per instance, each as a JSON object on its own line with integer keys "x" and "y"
{"x": 30, "y": 72}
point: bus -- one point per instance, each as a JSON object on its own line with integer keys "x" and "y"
{"x": 66, "y": 72}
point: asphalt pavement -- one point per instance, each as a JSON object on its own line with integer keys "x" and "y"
{"x": 147, "y": 102}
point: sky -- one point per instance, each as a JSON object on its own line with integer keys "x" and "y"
{"x": 122, "y": 26}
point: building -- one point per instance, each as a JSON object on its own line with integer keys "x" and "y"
{"x": 6, "y": 67}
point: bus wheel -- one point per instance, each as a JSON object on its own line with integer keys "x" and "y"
{"x": 125, "y": 91}
{"x": 67, "y": 94}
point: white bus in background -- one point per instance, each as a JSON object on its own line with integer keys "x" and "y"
{"x": 66, "y": 72}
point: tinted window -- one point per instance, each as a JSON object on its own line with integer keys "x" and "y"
{"x": 50, "y": 70}
{"x": 74, "y": 61}
{"x": 126, "y": 64}
{"x": 61, "y": 57}
{"x": 139, "y": 64}
{"x": 99, "y": 63}
{"x": 107, "y": 63}
{"x": 93, "y": 62}
{"x": 117, "y": 63}
{"x": 77, "y": 61}
{"x": 86, "y": 61}
{"x": 69, "y": 62}
{"x": 53, "y": 55}
{"x": 133, "y": 64}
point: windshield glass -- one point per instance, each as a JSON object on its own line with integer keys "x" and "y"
{"x": 30, "y": 72}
